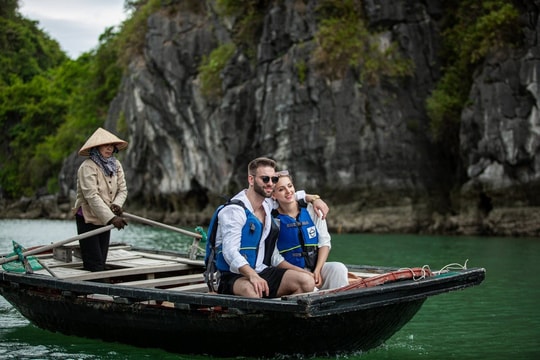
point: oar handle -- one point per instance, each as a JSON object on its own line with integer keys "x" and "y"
{"x": 58, "y": 243}
{"x": 155, "y": 223}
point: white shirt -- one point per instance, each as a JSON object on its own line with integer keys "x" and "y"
{"x": 231, "y": 220}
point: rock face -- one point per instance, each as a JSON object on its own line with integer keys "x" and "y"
{"x": 500, "y": 140}
{"x": 363, "y": 146}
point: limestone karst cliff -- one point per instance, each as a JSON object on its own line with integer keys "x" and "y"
{"x": 365, "y": 146}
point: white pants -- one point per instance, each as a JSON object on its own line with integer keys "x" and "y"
{"x": 334, "y": 275}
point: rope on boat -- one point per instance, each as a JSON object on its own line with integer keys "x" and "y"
{"x": 401, "y": 274}
{"x": 452, "y": 266}
{"x": 416, "y": 274}
{"x": 425, "y": 272}
{"x": 201, "y": 231}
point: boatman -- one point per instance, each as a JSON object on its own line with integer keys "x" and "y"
{"x": 101, "y": 192}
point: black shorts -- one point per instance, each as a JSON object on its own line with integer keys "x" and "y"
{"x": 271, "y": 274}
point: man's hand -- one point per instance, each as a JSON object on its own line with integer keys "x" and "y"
{"x": 321, "y": 209}
{"x": 260, "y": 285}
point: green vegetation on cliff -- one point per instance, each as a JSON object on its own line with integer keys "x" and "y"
{"x": 472, "y": 30}
{"x": 346, "y": 44}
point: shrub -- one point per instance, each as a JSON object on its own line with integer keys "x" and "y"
{"x": 211, "y": 68}
{"x": 476, "y": 29}
{"x": 344, "y": 43}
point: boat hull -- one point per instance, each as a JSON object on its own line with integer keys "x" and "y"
{"x": 212, "y": 331}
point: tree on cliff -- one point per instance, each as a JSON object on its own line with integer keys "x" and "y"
{"x": 48, "y": 103}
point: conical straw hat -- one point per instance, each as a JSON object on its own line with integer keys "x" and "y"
{"x": 102, "y": 137}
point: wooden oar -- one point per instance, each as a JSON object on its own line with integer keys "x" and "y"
{"x": 155, "y": 223}
{"x": 196, "y": 236}
{"x": 58, "y": 243}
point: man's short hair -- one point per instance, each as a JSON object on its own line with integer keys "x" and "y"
{"x": 258, "y": 162}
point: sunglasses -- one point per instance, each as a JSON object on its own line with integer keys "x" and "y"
{"x": 266, "y": 179}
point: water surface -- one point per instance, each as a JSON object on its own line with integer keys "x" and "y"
{"x": 500, "y": 319}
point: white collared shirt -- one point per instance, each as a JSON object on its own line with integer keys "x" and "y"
{"x": 231, "y": 221}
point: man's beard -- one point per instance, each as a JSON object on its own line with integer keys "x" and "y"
{"x": 260, "y": 190}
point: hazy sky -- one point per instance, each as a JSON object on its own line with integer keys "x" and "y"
{"x": 75, "y": 24}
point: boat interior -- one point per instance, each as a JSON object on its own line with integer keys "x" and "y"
{"x": 128, "y": 266}
{"x": 142, "y": 268}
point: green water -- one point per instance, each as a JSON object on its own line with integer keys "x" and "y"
{"x": 500, "y": 319}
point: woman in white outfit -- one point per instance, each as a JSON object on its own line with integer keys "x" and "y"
{"x": 304, "y": 240}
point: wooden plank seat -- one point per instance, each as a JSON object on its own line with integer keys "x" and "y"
{"x": 166, "y": 281}
{"x": 202, "y": 287}
{"x": 80, "y": 274}
{"x": 119, "y": 258}
{"x": 115, "y": 254}
{"x": 128, "y": 271}
{"x": 52, "y": 262}
{"x": 62, "y": 272}
{"x": 170, "y": 258}
{"x": 138, "y": 261}
{"x": 68, "y": 252}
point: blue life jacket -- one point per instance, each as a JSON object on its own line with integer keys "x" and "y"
{"x": 298, "y": 239}
{"x": 210, "y": 255}
{"x": 249, "y": 244}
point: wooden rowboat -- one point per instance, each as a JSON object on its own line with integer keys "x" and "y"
{"x": 159, "y": 299}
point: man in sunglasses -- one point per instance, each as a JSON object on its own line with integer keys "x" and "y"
{"x": 246, "y": 237}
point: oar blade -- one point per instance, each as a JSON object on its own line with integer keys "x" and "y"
{"x": 21, "y": 264}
